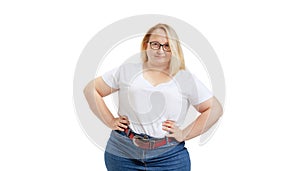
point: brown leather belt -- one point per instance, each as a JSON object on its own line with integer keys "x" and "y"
{"x": 145, "y": 142}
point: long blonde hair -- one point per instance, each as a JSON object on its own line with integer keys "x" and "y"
{"x": 177, "y": 60}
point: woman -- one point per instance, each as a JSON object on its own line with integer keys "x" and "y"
{"x": 154, "y": 97}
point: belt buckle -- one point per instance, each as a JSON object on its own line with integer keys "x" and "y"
{"x": 142, "y": 139}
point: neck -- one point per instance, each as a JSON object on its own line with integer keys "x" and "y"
{"x": 161, "y": 68}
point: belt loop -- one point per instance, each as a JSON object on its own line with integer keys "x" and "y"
{"x": 128, "y": 132}
{"x": 152, "y": 144}
{"x": 167, "y": 140}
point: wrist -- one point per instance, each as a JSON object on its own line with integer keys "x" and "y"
{"x": 184, "y": 135}
{"x": 110, "y": 123}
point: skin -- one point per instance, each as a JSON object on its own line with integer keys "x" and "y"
{"x": 156, "y": 71}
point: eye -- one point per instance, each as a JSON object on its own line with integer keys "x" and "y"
{"x": 167, "y": 47}
{"x": 155, "y": 43}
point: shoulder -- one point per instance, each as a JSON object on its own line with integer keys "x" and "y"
{"x": 129, "y": 66}
{"x": 127, "y": 70}
{"x": 187, "y": 80}
{"x": 184, "y": 76}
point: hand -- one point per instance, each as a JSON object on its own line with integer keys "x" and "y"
{"x": 120, "y": 123}
{"x": 174, "y": 130}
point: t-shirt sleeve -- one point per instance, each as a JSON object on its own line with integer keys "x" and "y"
{"x": 199, "y": 92}
{"x": 112, "y": 78}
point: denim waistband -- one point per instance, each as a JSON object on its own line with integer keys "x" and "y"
{"x": 141, "y": 135}
{"x": 119, "y": 144}
{"x": 122, "y": 155}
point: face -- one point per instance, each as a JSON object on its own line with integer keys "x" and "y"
{"x": 158, "y": 57}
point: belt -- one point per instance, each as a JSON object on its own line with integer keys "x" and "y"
{"x": 145, "y": 142}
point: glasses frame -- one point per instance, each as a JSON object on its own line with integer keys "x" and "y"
{"x": 160, "y": 45}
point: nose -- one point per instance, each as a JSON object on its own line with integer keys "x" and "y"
{"x": 160, "y": 50}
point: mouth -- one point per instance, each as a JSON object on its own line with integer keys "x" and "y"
{"x": 159, "y": 56}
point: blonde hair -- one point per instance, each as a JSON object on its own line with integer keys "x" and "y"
{"x": 177, "y": 60}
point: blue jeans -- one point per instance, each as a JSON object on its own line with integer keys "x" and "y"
{"x": 122, "y": 155}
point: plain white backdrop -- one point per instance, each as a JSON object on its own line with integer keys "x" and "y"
{"x": 257, "y": 43}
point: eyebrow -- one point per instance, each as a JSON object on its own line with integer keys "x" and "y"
{"x": 158, "y": 41}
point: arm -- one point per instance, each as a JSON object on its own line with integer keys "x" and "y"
{"x": 211, "y": 110}
{"x": 94, "y": 93}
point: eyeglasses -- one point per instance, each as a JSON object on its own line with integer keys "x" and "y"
{"x": 156, "y": 45}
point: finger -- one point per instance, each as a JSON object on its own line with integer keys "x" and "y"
{"x": 121, "y": 125}
{"x": 165, "y": 128}
{"x": 124, "y": 121}
{"x": 168, "y": 125}
{"x": 168, "y": 129}
{"x": 169, "y": 121}
{"x": 124, "y": 117}
{"x": 120, "y": 129}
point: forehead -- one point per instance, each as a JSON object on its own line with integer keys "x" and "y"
{"x": 159, "y": 35}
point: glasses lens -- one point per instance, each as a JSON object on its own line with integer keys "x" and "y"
{"x": 154, "y": 45}
{"x": 166, "y": 47}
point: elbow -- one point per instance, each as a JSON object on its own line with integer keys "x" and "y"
{"x": 218, "y": 108}
{"x": 88, "y": 89}
{"x": 85, "y": 90}
{"x": 221, "y": 111}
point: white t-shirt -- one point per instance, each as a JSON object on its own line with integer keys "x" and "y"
{"x": 148, "y": 106}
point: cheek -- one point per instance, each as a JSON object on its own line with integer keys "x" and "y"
{"x": 149, "y": 53}
{"x": 168, "y": 56}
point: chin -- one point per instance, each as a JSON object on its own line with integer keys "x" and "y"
{"x": 161, "y": 64}
{"x": 161, "y": 60}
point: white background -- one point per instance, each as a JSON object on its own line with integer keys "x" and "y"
{"x": 257, "y": 43}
